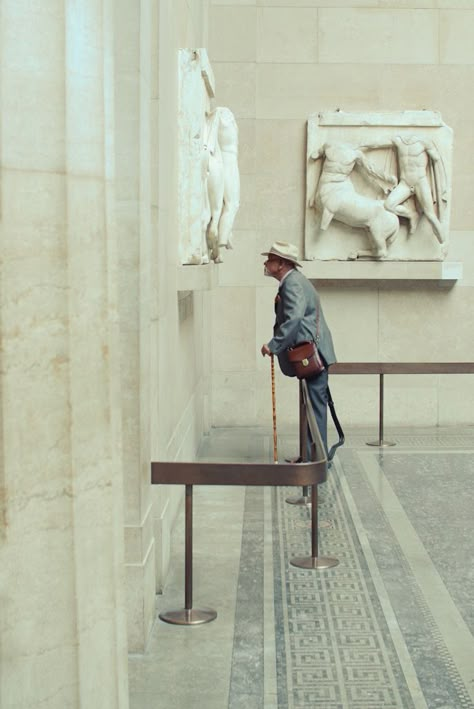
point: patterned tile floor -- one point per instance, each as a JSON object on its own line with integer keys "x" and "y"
{"x": 391, "y": 626}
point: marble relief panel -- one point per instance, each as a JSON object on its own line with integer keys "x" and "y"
{"x": 208, "y": 180}
{"x": 378, "y": 186}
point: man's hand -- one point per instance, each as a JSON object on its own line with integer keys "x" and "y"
{"x": 265, "y": 351}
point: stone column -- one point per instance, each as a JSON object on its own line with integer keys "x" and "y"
{"x": 63, "y": 639}
{"x": 136, "y": 33}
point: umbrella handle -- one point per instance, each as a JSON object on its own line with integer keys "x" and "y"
{"x": 275, "y": 449}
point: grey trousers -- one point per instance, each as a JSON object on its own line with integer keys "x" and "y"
{"x": 318, "y": 394}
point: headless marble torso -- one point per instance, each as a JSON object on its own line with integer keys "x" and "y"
{"x": 413, "y": 159}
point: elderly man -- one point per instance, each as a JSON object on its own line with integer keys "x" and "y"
{"x": 299, "y": 318}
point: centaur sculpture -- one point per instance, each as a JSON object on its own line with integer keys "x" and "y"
{"x": 335, "y": 197}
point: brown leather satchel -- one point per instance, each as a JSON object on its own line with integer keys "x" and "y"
{"x": 306, "y": 360}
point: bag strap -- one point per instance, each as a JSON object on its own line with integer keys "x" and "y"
{"x": 338, "y": 426}
{"x": 316, "y": 339}
{"x": 313, "y": 426}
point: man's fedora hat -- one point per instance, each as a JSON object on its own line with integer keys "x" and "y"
{"x": 284, "y": 250}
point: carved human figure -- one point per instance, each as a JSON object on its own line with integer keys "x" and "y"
{"x": 221, "y": 181}
{"x": 336, "y": 197}
{"x": 213, "y": 187}
{"x": 415, "y": 157}
{"x": 229, "y": 144}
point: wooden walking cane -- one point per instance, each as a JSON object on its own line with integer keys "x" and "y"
{"x": 275, "y": 451}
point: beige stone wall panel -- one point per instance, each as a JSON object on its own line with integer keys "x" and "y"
{"x": 455, "y": 399}
{"x": 236, "y": 271}
{"x": 281, "y": 206}
{"x": 247, "y": 146}
{"x": 33, "y": 67}
{"x": 140, "y": 605}
{"x": 462, "y": 250}
{"x": 356, "y": 36}
{"x": 334, "y": 85}
{"x": 236, "y": 333}
{"x": 456, "y": 30}
{"x": 429, "y": 332}
{"x": 243, "y": 74}
{"x": 353, "y": 319}
{"x": 154, "y": 160}
{"x": 463, "y": 178}
{"x": 410, "y": 398}
{"x": 137, "y": 539}
{"x": 248, "y": 214}
{"x": 279, "y": 145}
{"x": 234, "y": 398}
{"x": 232, "y": 35}
{"x": 287, "y": 35}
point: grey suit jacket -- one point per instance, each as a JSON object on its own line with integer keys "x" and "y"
{"x": 296, "y": 308}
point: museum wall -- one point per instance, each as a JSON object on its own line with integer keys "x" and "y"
{"x": 276, "y": 63}
{"x": 104, "y": 358}
{"x": 62, "y": 605}
{"x": 163, "y": 328}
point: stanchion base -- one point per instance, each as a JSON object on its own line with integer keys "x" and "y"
{"x": 314, "y": 562}
{"x": 304, "y": 500}
{"x": 381, "y": 444}
{"x": 191, "y": 616}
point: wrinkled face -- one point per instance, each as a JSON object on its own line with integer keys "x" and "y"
{"x": 272, "y": 266}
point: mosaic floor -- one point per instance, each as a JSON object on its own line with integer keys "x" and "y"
{"x": 391, "y": 626}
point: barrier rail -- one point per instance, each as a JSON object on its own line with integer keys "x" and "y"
{"x": 273, "y": 474}
{"x": 382, "y": 368}
{"x": 201, "y": 473}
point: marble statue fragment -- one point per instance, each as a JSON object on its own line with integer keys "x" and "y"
{"x": 221, "y": 180}
{"x": 209, "y": 181}
{"x": 413, "y": 197}
{"x": 378, "y": 186}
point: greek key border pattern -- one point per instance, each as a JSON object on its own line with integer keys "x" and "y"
{"x": 339, "y": 651}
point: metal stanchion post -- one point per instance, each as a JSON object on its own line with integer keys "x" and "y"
{"x": 275, "y": 437}
{"x": 381, "y": 443}
{"x": 314, "y": 561}
{"x": 188, "y": 615}
{"x": 303, "y": 499}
